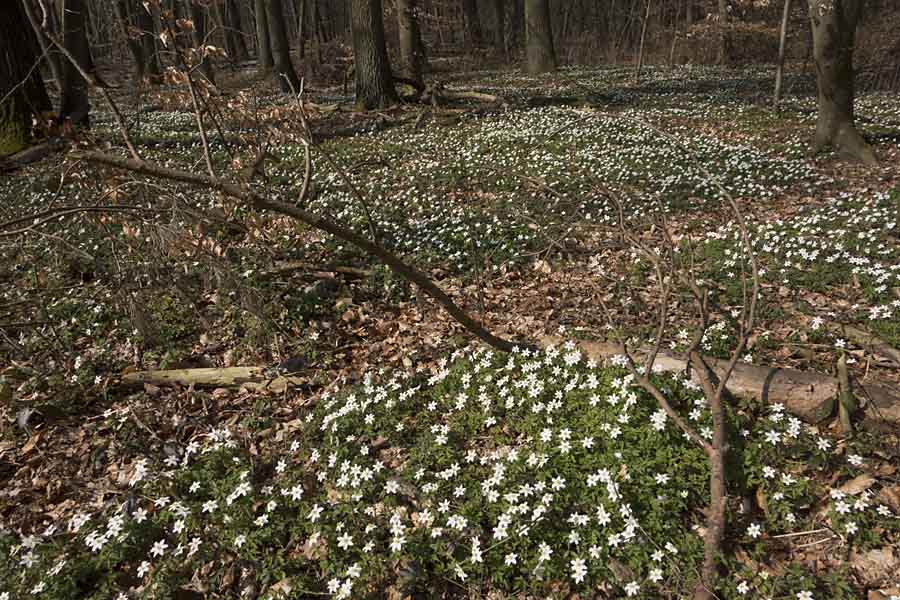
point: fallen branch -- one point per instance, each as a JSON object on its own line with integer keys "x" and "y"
{"x": 248, "y": 196}
{"x": 810, "y": 395}
{"x": 317, "y": 271}
{"x": 254, "y": 378}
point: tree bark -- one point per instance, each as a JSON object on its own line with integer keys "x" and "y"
{"x": 281, "y": 50}
{"x": 412, "y": 49}
{"x": 374, "y": 83}
{"x": 540, "y": 55}
{"x": 264, "y": 60}
{"x": 833, "y": 31}
{"x": 473, "y": 21}
{"x": 75, "y": 105}
{"x": 18, "y": 56}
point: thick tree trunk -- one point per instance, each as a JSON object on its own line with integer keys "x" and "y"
{"x": 18, "y": 103}
{"x": 516, "y": 22}
{"x": 374, "y": 83}
{"x": 75, "y": 105}
{"x": 198, "y": 17}
{"x": 473, "y": 21}
{"x": 281, "y": 50}
{"x": 412, "y": 49}
{"x": 833, "y": 30}
{"x": 235, "y": 25}
{"x": 540, "y": 56}
{"x": 263, "y": 44}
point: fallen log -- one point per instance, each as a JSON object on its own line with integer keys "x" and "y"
{"x": 32, "y": 154}
{"x": 810, "y": 395}
{"x": 253, "y": 378}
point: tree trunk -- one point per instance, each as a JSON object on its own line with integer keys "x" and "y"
{"x": 516, "y": 23}
{"x": 137, "y": 24}
{"x": 473, "y": 21}
{"x": 198, "y": 16}
{"x": 75, "y": 105}
{"x": 281, "y": 50}
{"x": 724, "y": 37}
{"x": 833, "y": 31}
{"x": 301, "y": 29}
{"x": 374, "y": 83}
{"x": 132, "y": 39}
{"x": 782, "y": 43}
{"x": 540, "y": 56}
{"x": 499, "y": 27}
{"x": 263, "y": 44}
{"x": 18, "y": 103}
{"x": 236, "y": 29}
{"x": 412, "y": 50}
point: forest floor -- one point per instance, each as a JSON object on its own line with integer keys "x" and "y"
{"x": 508, "y": 206}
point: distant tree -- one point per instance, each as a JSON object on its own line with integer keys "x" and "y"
{"x": 198, "y": 18}
{"x": 264, "y": 60}
{"x": 137, "y": 24}
{"x": 473, "y": 21}
{"x": 540, "y": 56}
{"x": 834, "y": 30}
{"x": 412, "y": 49}
{"x": 499, "y": 26}
{"x": 75, "y": 104}
{"x": 724, "y": 37}
{"x": 281, "y": 51}
{"x": 22, "y": 92}
{"x": 374, "y": 82}
{"x": 235, "y": 25}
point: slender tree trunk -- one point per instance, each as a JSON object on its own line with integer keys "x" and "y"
{"x": 782, "y": 43}
{"x": 640, "y": 56}
{"x": 301, "y": 29}
{"x": 833, "y": 31}
{"x": 281, "y": 51}
{"x": 75, "y": 105}
{"x": 473, "y": 21}
{"x": 688, "y": 13}
{"x": 374, "y": 83}
{"x": 18, "y": 103}
{"x": 315, "y": 38}
{"x": 540, "y": 55}
{"x": 412, "y": 49}
{"x": 235, "y": 25}
{"x": 264, "y": 60}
